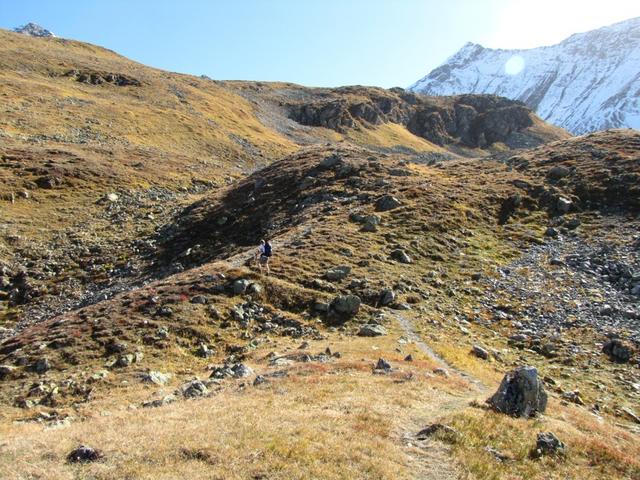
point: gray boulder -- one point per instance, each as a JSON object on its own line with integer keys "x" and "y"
{"x": 155, "y": 377}
{"x": 387, "y": 202}
{"x": 617, "y": 350}
{"x": 346, "y": 304}
{"x": 401, "y": 256}
{"x": 521, "y": 394}
{"x": 337, "y": 273}
{"x": 193, "y": 389}
{"x": 240, "y": 286}
{"x": 372, "y": 330}
{"x": 387, "y": 296}
{"x": 548, "y": 444}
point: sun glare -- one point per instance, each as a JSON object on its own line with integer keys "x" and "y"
{"x": 514, "y": 65}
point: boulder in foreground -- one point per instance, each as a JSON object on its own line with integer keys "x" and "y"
{"x": 520, "y": 394}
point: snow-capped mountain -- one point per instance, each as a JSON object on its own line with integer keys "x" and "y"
{"x": 588, "y": 82}
{"x": 34, "y": 30}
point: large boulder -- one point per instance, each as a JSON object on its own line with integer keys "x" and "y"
{"x": 521, "y": 393}
{"x": 617, "y": 350}
{"x": 337, "y": 273}
{"x": 387, "y": 202}
{"x": 372, "y": 330}
{"x": 347, "y": 305}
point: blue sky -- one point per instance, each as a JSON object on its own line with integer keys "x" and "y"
{"x": 312, "y": 42}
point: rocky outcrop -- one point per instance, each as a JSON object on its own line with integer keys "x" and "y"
{"x": 34, "y": 30}
{"x": 100, "y": 78}
{"x": 476, "y": 121}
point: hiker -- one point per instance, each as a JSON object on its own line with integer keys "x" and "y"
{"x": 263, "y": 254}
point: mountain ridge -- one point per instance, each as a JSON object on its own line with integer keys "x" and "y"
{"x": 589, "y": 81}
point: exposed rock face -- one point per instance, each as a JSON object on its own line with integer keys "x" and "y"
{"x": 586, "y": 83}
{"x": 473, "y": 120}
{"x": 100, "y": 78}
{"x": 34, "y": 30}
{"x": 520, "y": 394}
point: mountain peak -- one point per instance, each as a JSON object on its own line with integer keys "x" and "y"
{"x": 34, "y": 30}
{"x": 585, "y": 83}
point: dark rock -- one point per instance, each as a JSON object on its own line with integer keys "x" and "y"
{"x": 617, "y": 350}
{"x": 437, "y": 428}
{"x": 383, "y": 365}
{"x": 372, "y": 330}
{"x": 401, "y": 256}
{"x": 386, "y": 203}
{"x": 348, "y": 305}
{"x": 548, "y": 444}
{"x": 480, "y": 352}
{"x": 84, "y": 454}
{"x": 520, "y": 394}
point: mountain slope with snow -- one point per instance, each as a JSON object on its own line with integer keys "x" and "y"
{"x": 588, "y": 82}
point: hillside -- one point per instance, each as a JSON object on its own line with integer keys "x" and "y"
{"x": 423, "y": 247}
{"x": 588, "y": 82}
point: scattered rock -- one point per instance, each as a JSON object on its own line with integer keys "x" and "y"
{"x": 382, "y": 365}
{"x": 337, "y": 273}
{"x": 240, "y": 286}
{"x": 548, "y": 444}
{"x": 563, "y": 205}
{"x": 348, "y": 305}
{"x": 400, "y": 256}
{"x": 194, "y": 388}
{"x": 42, "y": 365}
{"x": 439, "y": 429}
{"x": 84, "y": 454}
{"x": 408, "y": 358}
{"x": 166, "y": 400}
{"x": 617, "y": 350}
{"x": 387, "y": 296}
{"x": 6, "y": 371}
{"x": 521, "y": 393}
{"x": 155, "y": 377}
{"x": 480, "y": 352}
{"x": 372, "y": 330}
{"x": 387, "y": 202}
{"x": 558, "y": 172}
{"x": 200, "y": 299}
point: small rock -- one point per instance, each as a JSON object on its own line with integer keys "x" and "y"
{"x": 408, "y": 358}
{"x": 617, "y": 350}
{"x": 200, "y": 299}
{"x": 371, "y": 330}
{"x": 437, "y": 428}
{"x": 84, "y": 454}
{"x": 194, "y": 388}
{"x": 563, "y": 205}
{"x": 386, "y": 203}
{"x": 383, "y": 365}
{"x": 42, "y": 365}
{"x": 441, "y": 372}
{"x": 240, "y": 286}
{"x": 346, "y": 304}
{"x": 337, "y": 273}
{"x": 387, "y": 296}
{"x": 480, "y": 352}
{"x": 156, "y": 377}
{"x": 548, "y": 444}
{"x": 401, "y": 256}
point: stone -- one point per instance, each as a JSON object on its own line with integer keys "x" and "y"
{"x": 111, "y": 197}
{"x": 387, "y": 296}
{"x": 6, "y": 371}
{"x": 337, "y": 273}
{"x": 200, "y": 299}
{"x": 383, "y": 365}
{"x": 437, "y": 428}
{"x": 480, "y": 352}
{"x": 321, "y": 307}
{"x": 240, "y": 370}
{"x": 193, "y": 389}
{"x": 330, "y": 161}
{"x": 400, "y": 256}
{"x": 563, "y": 205}
{"x": 521, "y": 393}
{"x": 408, "y": 358}
{"x": 203, "y": 351}
{"x": 551, "y": 232}
{"x": 255, "y": 289}
{"x": 166, "y": 400}
{"x": 387, "y": 202}
{"x": 617, "y": 350}
{"x": 42, "y": 365}
{"x": 548, "y": 444}
{"x": 240, "y": 286}
{"x": 155, "y": 377}
{"x": 441, "y": 372}
{"x": 372, "y": 330}
{"x": 84, "y": 454}
{"x": 346, "y": 304}
{"x": 558, "y": 172}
